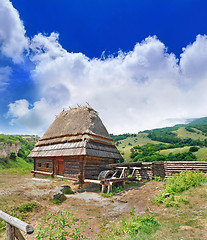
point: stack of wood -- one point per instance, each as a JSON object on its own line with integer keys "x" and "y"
{"x": 177, "y": 167}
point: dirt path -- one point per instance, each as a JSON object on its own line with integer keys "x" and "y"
{"x": 89, "y": 205}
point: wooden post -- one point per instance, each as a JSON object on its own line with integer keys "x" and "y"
{"x": 110, "y": 187}
{"x": 34, "y": 167}
{"x": 103, "y": 188}
{"x": 18, "y": 234}
{"x": 9, "y": 232}
{"x": 53, "y": 167}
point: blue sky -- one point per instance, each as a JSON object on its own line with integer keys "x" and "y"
{"x": 140, "y": 63}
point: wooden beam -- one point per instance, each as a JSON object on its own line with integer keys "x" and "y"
{"x": 43, "y": 173}
{"x": 16, "y": 223}
{"x": 92, "y": 181}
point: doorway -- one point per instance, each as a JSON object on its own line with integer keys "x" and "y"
{"x": 60, "y": 169}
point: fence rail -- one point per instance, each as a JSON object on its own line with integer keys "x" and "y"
{"x": 13, "y": 225}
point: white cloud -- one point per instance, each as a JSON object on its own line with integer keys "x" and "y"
{"x": 12, "y": 33}
{"x": 34, "y": 118}
{"x": 134, "y": 91}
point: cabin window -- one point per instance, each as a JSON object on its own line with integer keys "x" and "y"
{"x": 47, "y": 165}
{"x": 39, "y": 164}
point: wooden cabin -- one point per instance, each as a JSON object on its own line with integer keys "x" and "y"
{"x": 76, "y": 146}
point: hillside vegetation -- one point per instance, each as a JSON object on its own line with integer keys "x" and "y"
{"x": 179, "y": 143}
{"x": 19, "y": 159}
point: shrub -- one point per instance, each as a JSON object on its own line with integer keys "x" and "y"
{"x": 27, "y": 207}
{"x": 179, "y": 183}
{"x": 13, "y": 156}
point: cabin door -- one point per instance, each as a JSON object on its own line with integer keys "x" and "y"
{"x": 60, "y": 167}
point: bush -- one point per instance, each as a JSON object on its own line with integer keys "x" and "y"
{"x": 27, "y": 207}
{"x": 193, "y": 149}
{"x": 13, "y": 156}
{"x": 179, "y": 183}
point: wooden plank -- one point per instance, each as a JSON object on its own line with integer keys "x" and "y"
{"x": 16, "y": 223}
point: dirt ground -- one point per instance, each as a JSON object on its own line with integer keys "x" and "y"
{"x": 88, "y": 205}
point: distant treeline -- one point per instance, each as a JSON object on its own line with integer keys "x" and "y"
{"x": 150, "y": 153}
{"x": 166, "y": 135}
{"x": 120, "y": 137}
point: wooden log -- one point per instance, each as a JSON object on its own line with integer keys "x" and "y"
{"x": 18, "y": 234}
{"x": 92, "y": 181}
{"x": 43, "y": 173}
{"x": 16, "y": 223}
{"x": 9, "y": 232}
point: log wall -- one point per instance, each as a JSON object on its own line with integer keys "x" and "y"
{"x": 43, "y": 164}
{"x": 94, "y": 166}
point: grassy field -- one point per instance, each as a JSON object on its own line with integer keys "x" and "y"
{"x": 202, "y": 154}
{"x": 174, "y": 150}
{"x": 183, "y": 133}
{"x": 125, "y": 145}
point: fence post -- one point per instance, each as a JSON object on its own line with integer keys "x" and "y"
{"x": 9, "y": 232}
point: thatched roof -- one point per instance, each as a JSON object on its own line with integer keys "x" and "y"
{"x": 78, "y": 131}
{"x": 74, "y": 125}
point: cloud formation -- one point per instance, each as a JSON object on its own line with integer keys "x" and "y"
{"x": 133, "y": 91}
{"x": 13, "y": 42}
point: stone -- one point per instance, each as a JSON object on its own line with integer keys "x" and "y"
{"x": 57, "y": 195}
{"x": 167, "y": 195}
{"x": 66, "y": 189}
{"x": 81, "y": 190}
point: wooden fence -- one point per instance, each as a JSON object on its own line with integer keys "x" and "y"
{"x": 14, "y": 225}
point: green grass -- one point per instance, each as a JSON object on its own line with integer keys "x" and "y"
{"x": 202, "y": 154}
{"x": 61, "y": 225}
{"x": 134, "y": 227}
{"x": 183, "y": 133}
{"x": 174, "y": 150}
{"x": 19, "y": 166}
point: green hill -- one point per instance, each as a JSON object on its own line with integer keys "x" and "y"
{"x": 14, "y": 150}
{"x": 181, "y": 142}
